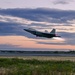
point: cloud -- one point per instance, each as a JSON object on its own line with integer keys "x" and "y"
{"x": 14, "y": 42}
{"x": 66, "y": 21}
{"x": 7, "y": 47}
{"x": 13, "y": 21}
{"x": 41, "y": 14}
{"x": 14, "y": 48}
{"x": 43, "y": 18}
{"x": 18, "y": 20}
{"x": 62, "y": 1}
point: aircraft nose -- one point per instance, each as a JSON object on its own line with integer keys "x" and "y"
{"x": 25, "y": 29}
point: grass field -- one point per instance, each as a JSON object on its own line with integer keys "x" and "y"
{"x": 55, "y": 58}
{"x": 37, "y": 65}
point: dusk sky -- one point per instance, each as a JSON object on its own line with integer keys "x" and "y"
{"x": 16, "y": 15}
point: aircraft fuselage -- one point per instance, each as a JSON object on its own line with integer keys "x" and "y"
{"x": 41, "y": 34}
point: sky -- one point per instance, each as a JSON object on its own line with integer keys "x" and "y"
{"x": 15, "y": 15}
{"x": 58, "y": 4}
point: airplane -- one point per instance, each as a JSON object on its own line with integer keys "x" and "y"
{"x": 42, "y": 34}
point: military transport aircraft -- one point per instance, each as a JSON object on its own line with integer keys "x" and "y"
{"x": 42, "y": 34}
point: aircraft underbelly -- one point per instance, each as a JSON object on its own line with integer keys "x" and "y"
{"x": 48, "y": 35}
{"x": 45, "y": 35}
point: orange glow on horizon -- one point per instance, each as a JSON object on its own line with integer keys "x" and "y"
{"x": 24, "y": 42}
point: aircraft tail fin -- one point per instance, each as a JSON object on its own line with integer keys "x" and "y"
{"x": 53, "y": 31}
